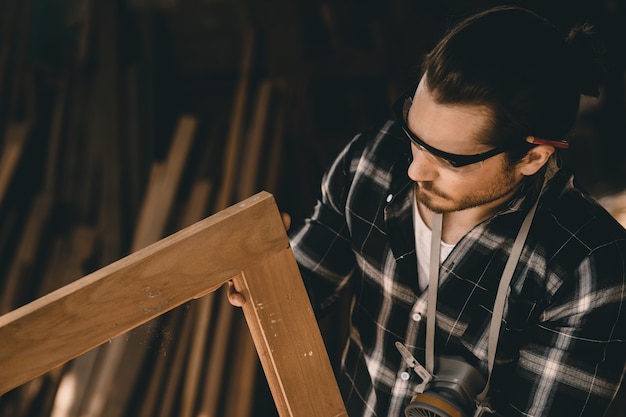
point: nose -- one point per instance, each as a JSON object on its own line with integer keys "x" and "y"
{"x": 421, "y": 167}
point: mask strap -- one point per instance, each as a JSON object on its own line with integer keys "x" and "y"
{"x": 498, "y": 308}
{"x": 503, "y": 289}
{"x": 433, "y": 282}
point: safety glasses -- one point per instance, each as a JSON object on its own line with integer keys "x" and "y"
{"x": 449, "y": 160}
{"x": 459, "y": 163}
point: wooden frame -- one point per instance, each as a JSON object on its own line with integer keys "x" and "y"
{"x": 245, "y": 243}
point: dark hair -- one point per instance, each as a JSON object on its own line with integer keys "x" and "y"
{"x": 521, "y": 67}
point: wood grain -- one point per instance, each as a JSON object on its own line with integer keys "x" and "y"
{"x": 245, "y": 242}
{"x": 135, "y": 289}
{"x": 287, "y": 338}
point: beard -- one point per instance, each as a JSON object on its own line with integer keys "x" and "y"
{"x": 499, "y": 190}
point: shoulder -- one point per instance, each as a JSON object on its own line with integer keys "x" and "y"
{"x": 577, "y": 232}
{"x": 378, "y": 143}
{"x": 369, "y": 163}
{"x": 580, "y": 216}
{"x": 370, "y": 157}
{"x": 577, "y": 250}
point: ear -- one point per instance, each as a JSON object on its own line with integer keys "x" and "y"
{"x": 535, "y": 159}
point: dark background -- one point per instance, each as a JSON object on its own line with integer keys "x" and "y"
{"x": 100, "y": 86}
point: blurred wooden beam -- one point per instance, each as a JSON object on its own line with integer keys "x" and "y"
{"x": 14, "y": 143}
{"x": 19, "y": 275}
{"x": 242, "y": 374}
{"x": 212, "y": 392}
{"x": 253, "y": 149}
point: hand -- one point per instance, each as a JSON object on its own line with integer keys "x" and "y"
{"x": 286, "y": 220}
{"x": 236, "y": 298}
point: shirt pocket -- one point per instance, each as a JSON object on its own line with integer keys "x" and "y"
{"x": 519, "y": 315}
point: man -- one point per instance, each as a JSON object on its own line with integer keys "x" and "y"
{"x": 476, "y": 142}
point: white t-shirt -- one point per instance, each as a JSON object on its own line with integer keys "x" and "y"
{"x": 423, "y": 236}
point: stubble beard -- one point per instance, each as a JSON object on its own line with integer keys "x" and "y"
{"x": 498, "y": 191}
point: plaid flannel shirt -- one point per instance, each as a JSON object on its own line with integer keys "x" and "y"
{"x": 561, "y": 351}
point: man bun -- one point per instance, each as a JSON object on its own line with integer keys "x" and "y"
{"x": 587, "y": 59}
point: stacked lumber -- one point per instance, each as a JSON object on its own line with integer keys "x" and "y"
{"x": 100, "y": 189}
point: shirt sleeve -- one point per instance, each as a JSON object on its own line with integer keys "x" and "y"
{"x": 322, "y": 245}
{"x": 574, "y": 360}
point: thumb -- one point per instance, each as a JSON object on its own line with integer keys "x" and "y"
{"x": 286, "y": 220}
{"x": 235, "y": 298}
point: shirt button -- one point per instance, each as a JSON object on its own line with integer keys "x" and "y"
{"x": 417, "y": 317}
{"x": 389, "y": 197}
{"x": 405, "y": 376}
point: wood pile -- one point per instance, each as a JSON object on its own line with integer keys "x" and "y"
{"x": 85, "y": 184}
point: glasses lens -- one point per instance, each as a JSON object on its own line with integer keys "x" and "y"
{"x": 443, "y": 163}
{"x": 468, "y": 169}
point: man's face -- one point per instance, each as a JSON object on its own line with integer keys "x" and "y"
{"x": 456, "y": 129}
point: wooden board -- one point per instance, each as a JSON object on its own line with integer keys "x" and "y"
{"x": 246, "y": 241}
{"x": 14, "y": 144}
{"x": 284, "y": 331}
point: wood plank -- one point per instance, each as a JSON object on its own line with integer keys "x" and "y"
{"x": 242, "y": 375}
{"x": 8, "y": 22}
{"x": 25, "y": 256}
{"x": 197, "y": 203}
{"x": 36, "y": 397}
{"x": 274, "y": 160}
{"x": 203, "y": 316}
{"x": 72, "y": 387}
{"x": 85, "y": 48}
{"x": 172, "y": 348}
{"x": 246, "y": 241}
{"x": 14, "y": 142}
{"x": 213, "y": 387}
{"x": 20, "y": 80}
{"x": 67, "y": 259}
{"x": 252, "y": 152}
{"x": 136, "y": 289}
{"x": 56, "y": 131}
{"x": 233, "y": 144}
{"x": 104, "y": 130}
{"x": 162, "y": 189}
{"x": 172, "y": 383}
{"x": 287, "y": 338}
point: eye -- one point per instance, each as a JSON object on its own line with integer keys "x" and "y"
{"x": 447, "y": 164}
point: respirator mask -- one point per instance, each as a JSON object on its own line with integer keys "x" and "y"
{"x": 451, "y": 392}
{"x": 455, "y": 389}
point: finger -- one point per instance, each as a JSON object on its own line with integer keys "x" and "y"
{"x": 235, "y": 298}
{"x": 286, "y": 220}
